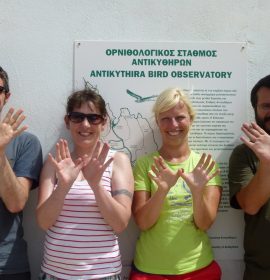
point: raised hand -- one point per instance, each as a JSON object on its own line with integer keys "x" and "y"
{"x": 201, "y": 174}
{"x": 10, "y": 127}
{"x": 96, "y": 165}
{"x": 164, "y": 177}
{"x": 257, "y": 140}
{"x": 66, "y": 169}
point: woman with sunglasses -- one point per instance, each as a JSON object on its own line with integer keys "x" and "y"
{"x": 84, "y": 197}
{"x": 177, "y": 193}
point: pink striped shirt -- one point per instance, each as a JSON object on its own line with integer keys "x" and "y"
{"x": 81, "y": 245}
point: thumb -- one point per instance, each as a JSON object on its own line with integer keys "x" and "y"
{"x": 180, "y": 172}
{"x": 79, "y": 163}
{"x": 52, "y": 161}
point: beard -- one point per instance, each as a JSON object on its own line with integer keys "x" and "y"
{"x": 262, "y": 123}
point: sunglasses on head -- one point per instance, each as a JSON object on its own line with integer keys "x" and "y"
{"x": 77, "y": 117}
{"x": 2, "y": 89}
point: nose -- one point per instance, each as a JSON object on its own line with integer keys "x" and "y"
{"x": 174, "y": 122}
{"x": 85, "y": 122}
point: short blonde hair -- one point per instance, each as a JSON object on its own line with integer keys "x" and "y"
{"x": 170, "y": 98}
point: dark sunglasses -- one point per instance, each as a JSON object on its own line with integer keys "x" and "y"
{"x": 78, "y": 117}
{"x": 2, "y": 89}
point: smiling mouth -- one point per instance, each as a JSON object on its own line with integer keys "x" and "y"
{"x": 85, "y": 134}
{"x": 174, "y": 133}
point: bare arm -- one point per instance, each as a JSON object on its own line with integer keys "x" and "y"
{"x": 50, "y": 202}
{"x": 51, "y": 199}
{"x": 205, "y": 198}
{"x": 115, "y": 208}
{"x": 205, "y": 206}
{"x": 14, "y": 190}
{"x": 256, "y": 193}
{"x": 146, "y": 209}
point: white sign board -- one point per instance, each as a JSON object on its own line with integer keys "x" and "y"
{"x": 129, "y": 75}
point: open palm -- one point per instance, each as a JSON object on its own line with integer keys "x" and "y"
{"x": 201, "y": 174}
{"x": 96, "y": 165}
{"x": 164, "y": 177}
{"x": 257, "y": 140}
{"x": 10, "y": 126}
{"x": 66, "y": 169}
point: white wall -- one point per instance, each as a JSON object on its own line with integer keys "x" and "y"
{"x": 36, "y": 48}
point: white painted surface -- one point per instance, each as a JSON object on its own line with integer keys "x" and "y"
{"x": 36, "y": 48}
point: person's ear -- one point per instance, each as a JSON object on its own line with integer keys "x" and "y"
{"x": 66, "y": 121}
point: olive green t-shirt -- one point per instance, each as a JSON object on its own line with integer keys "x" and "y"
{"x": 174, "y": 245}
{"x": 242, "y": 167}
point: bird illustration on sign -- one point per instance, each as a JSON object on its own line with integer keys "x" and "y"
{"x": 139, "y": 98}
